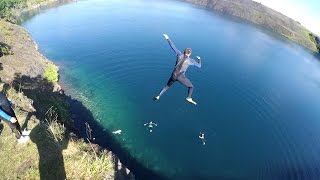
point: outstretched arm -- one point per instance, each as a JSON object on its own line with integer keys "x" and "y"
{"x": 174, "y": 48}
{"x": 195, "y": 63}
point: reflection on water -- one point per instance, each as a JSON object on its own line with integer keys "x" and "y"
{"x": 28, "y": 14}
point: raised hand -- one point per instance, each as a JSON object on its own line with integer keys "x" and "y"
{"x": 166, "y": 36}
{"x": 13, "y": 120}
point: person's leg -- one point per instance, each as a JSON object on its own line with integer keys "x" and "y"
{"x": 186, "y": 82}
{"x": 165, "y": 88}
{"x": 203, "y": 142}
{"x": 15, "y": 128}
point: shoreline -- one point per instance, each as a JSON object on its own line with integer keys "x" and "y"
{"x": 126, "y": 166}
{"x": 14, "y": 73}
{"x": 25, "y": 14}
{"x": 102, "y": 136}
{"x": 265, "y": 17}
{"x": 125, "y": 172}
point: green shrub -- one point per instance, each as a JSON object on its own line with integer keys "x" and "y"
{"x": 5, "y": 50}
{"x": 51, "y": 73}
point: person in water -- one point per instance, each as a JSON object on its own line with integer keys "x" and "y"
{"x": 183, "y": 61}
{"x": 117, "y": 131}
{"x": 201, "y": 136}
{"x": 150, "y": 125}
{"x": 8, "y": 116}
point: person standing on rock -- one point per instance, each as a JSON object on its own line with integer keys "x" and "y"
{"x": 183, "y": 61}
{"x": 8, "y": 116}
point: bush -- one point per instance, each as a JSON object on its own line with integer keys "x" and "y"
{"x": 51, "y": 73}
{"x": 5, "y": 50}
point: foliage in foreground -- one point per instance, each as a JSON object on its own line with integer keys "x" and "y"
{"x": 52, "y": 152}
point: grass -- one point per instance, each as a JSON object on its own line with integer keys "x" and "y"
{"x": 303, "y": 40}
{"x": 55, "y": 130}
{"x": 17, "y": 160}
{"x": 82, "y": 162}
{"x": 315, "y": 39}
{"x": 52, "y": 153}
{"x": 18, "y": 98}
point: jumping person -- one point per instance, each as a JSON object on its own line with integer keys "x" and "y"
{"x": 8, "y": 116}
{"x": 183, "y": 61}
{"x": 150, "y": 125}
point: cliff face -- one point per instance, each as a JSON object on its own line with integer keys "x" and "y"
{"x": 262, "y": 15}
{"x": 23, "y": 67}
{"x": 24, "y": 57}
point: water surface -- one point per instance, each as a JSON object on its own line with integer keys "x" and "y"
{"x": 258, "y": 94}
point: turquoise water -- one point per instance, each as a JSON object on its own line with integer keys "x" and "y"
{"x": 258, "y": 94}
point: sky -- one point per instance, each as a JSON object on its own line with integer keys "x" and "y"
{"x": 307, "y": 12}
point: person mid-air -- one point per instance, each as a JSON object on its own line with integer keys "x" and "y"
{"x": 183, "y": 61}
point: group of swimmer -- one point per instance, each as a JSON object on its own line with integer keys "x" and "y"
{"x": 183, "y": 61}
{"x": 150, "y": 125}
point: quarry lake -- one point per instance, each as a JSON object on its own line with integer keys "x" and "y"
{"x": 258, "y": 94}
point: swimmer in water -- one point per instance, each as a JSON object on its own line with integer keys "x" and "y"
{"x": 201, "y": 136}
{"x": 150, "y": 125}
{"x": 117, "y": 131}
